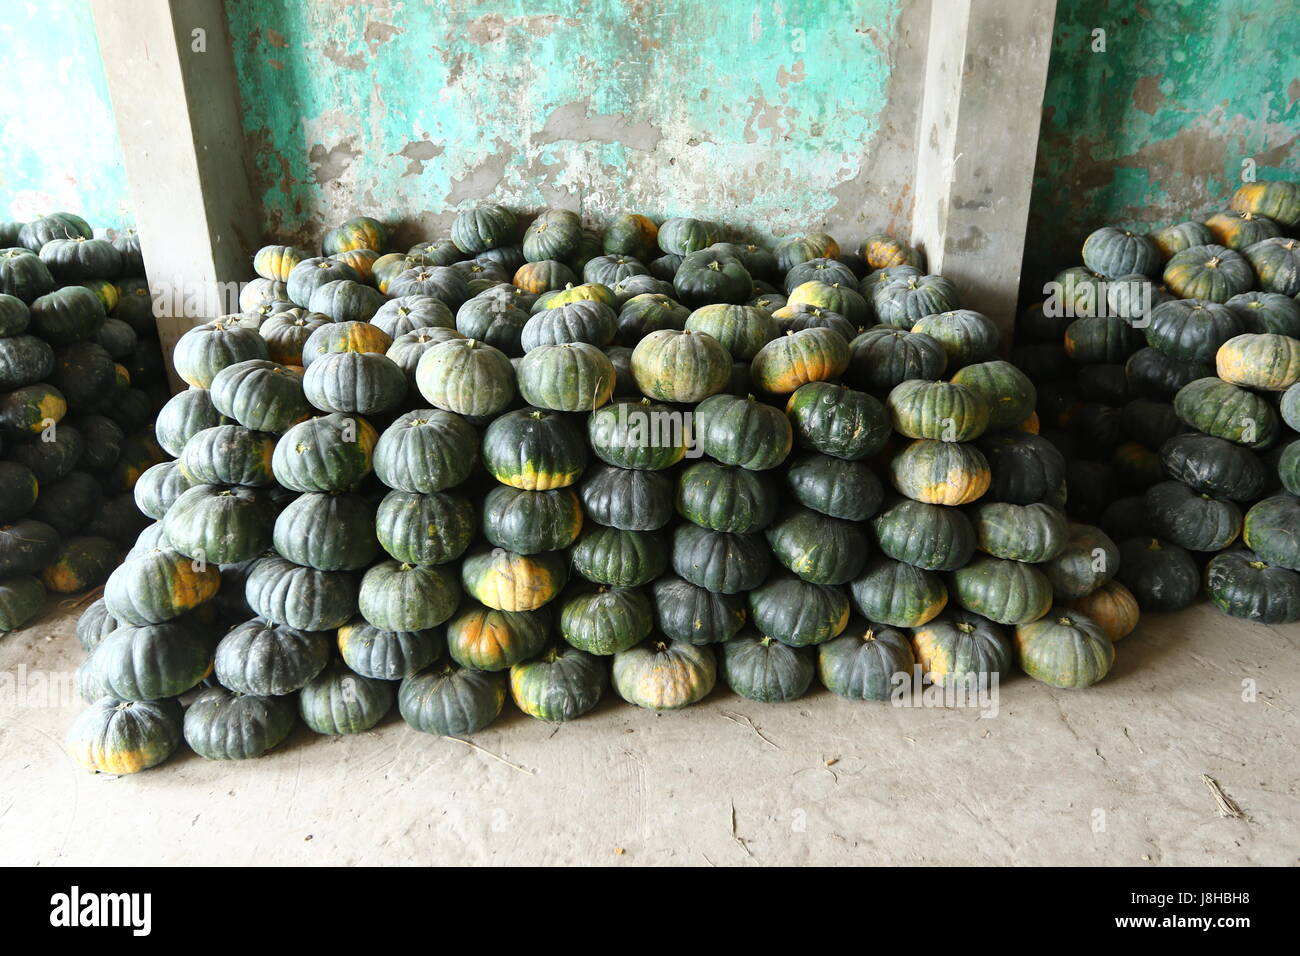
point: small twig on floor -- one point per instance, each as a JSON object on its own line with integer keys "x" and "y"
{"x": 708, "y": 861}
{"x": 67, "y": 604}
{"x": 734, "y": 836}
{"x": 1227, "y": 806}
{"x": 1133, "y": 742}
{"x": 737, "y": 718}
{"x": 486, "y": 752}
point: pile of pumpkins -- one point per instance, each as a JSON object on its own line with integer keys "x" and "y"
{"x": 531, "y": 463}
{"x": 1167, "y": 367}
{"x": 81, "y": 376}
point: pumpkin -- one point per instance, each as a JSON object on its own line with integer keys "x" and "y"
{"x": 726, "y": 498}
{"x": 514, "y": 582}
{"x": 220, "y": 524}
{"x": 741, "y": 329}
{"x": 1004, "y": 591}
{"x": 1276, "y": 262}
{"x": 842, "y": 300}
{"x": 69, "y": 503}
{"x": 159, "y": 487}
{"x": 882, "y": 252}
{"x": 398, "y": 316}
{"x": 623, "y": 498}
{"x": 483, "y": 226}
{"x": 742, "y": 431}
{"x": 1151, "y": 422}
{"x": 1102, "y": 338}
{"x": 1208, "y": 272}
{"x": 310, "y": 274}
{"x": 26, "y": 546}
{"x": 663, "y": 674}
{"x": 270, "y": 660}
{"x": 1114, "y": 252}
{"x": 121, "y": 737}
{"x": 834, "y": 486}
{"x": 18, "y": 490}
{"x": 867, "y": 662}
{"x": 84, "y": 374}
{"x": 882, "y": 357}
{"x": 1191, "y": 519}
{"x": 796, "y": 358}
{"x": 359, "y": 232}
{"x": 1266, "y": 312}
{"x": 1288, "y": 407}
{"x": 581, "y": 321}
{"x": 346, "y": 300}
{"x": 1183, "y": 235}
{"x": 793, "y": 250}
{"x": 605, "y": 620}
{"x": 927, "y": 536}
{"x": 150, "y": 661}
{"x": 771, "y": 301}
{"x": 439, "y": 282}
{"x": 1260, "y": 361}
{"x": 205, "y": 350}
{"x": 837, "y": 421}
{"x": 680, "y": 366}
{"x": 817, "y": 548}
{"x": 682, "y": 236}
{"x": 450, "y": 701}
{"x": 1153, "y": 373}
{"x": 302, "y": 598}
{"x": 609, "y": 270}
{"x": 945, "y": 411}
{"x": 328, "y": 531}
{"x": 763, "y": 669}
{"x": 545, "y": 276}
{"x": 425, "y": 528}
{"x": 467, "y": 377}
{"x": 966, "y": 336}
{"x": 257, "y": 294}
{"x": 719, "y": 561}
{"x": 625, "y": 290}
{"x": 395, "y": 596}
{"x": 1278, "y": 200}
{"x": 902, "y": 301}
{"x": 1288, "y": 467}
{"x": 229, "y": 455}
{"x": 363, "y": 382}
{"x": 117, "y": 338}
{"x": 1064, "y": 649}
{"x": 798, "y": 612}
{"x": 618, "y": 558}
{"x": 898, "y": 594}
{"x": 258, "y": 394}
{"x": 338, "y": 701}
{"x": 24, "y": 360}
{"x": 94, "y": 624}
{"x": 637, "y": 435}
{"x": 1025, "y": 468}
{"x": 1243, "y": 585}
{"x": 1161, "y": 575}
{"x": 409, "y": 347}
{"x": 387, "y": 655}
{"x": 21, "y": 599}
{"x": 649, "y": 312}
{"x": 633, "y": 235}
{"x": 23, "y": 275}
{"x": 592, "y": 292}
{"x": 943, "y": 473}
{"x": 1272, "y": 530}
{"x": 1009, "y": 393}
{"x": 1237, "y": 230}
{"x": 276, "y": 262}
{"x": 435, "y": 252}
{"x": 572, "y": 377}
{"x": 31, "y": 410}
{"x": 796, "y": 318}
{"x": 328, "y": 453}
{"x": 220, "y": 725}
{"x": 1225, "y": 411}
{"x": 79, "y": 258}
{"x": 709, "y": 276}
{"x": 494, "y": 321}
{"x": 687, "y": 612}
{"x": 534, "y": 449}
{"x": 529, "y": 522}
{"x": 560, "y": 684}
{"x": 1088, "y": 560}
{"x": 486, "y": 639}
{"x": 1190, "y": 330}
{"x": 286, "y": 334}
{"x": 554, "y": 234}
{"x": 1032, "y": 533}
{"x": 1112, "y": 606}
{"x": 159, "y": 585}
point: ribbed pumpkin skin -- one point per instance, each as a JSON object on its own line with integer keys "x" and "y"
{"x": 625, "y": 498}
{"x": 328, "y": 532}
{"x": 387, "y": 655}
{"x": 1225, "y": 411}
{"x": 554, "y": 234}
{"x": 561, "y": 684}
{"x": 302, "y": 598}
{"x": 824, "y": 270}
{"x": 29, "y": 410}
{"x": 483, "y": 226}
{"x": 1260, "y": 360}
{"x": 1194, "y": 521}
{"x": 726, "y": 498}
{"x": 842, "y": 300}
{"x": 276, "y": 262}
{"x": 158, "y": 586}
{"x": 528, "y": 522}
{"x": 866, "y": 662}
{"x": 638, "y": 435}
{"x": 1004, "y": 591}
{"x": 1267, "y": 312}
{"x": 927, "y": 536}
{"x": 616, "y": 558}
{"x": 962, "y": 648}
{"x": 1272, "y": 530}
{"x": 270, "y": 660}
{"x": 534, "y": 449}
{"x": 817, "y": 548}
{"x": 632, "y": 234}
{"x": 1118, "y": 252}
{"x": 1208, "y": 272}
{"x": 603, "y": 620}
{"x": 943, "y": 473}
{"x": 689, "y": 613}
{"x": 467, "y": 377}
{"x": 882, "y": 357}
{"x": 1160, "y": 574}
{"x": 1088, "y": 560}
{"x": 121, "y": 737}
{"x": 286, "y": 334}
{"x": 717, "y": 561}
{"x": 742, "y": 431}
{"x": 1010, "y": 395}
{"x": 837, "y": 421}
{"x": 943, "y": 411}
{"x": 1237, "y": 230}
{"x": 1064, "y": 649}
{"x": 646, "y": 313}
{"x": 1279, "y": 200}
{"x": 497, "y": 323}
{"x": 205, "y": 350}
{"x": 219, "y": 524}
{"x": 426, "y": 450}
{"x": 24, "y": 360}
{"x": 367, "y": 383}
{"x": 834, "y": 486}
{"x": 261, "y": 395}
{"x": 542, "y": 276}
{"x": 21, "y": 599}
{"x": 797, "y": 358}
{"x": 409, "y": 347}
{"x": 898, "y": 594}
{"x": 220, "y": 725}
{"x": 229, "y": 455}
{"x": 1241, "y": 585}
{"x": 965, "y": 335}
{"x": 514, "y": 582}
{"x": 1032, "y": 533}
{"x": 741, "y": 329}
{"x": 451, "y": 701}
{"x": 338, "y": 701}
{"x": 1025, "y": 468}
{"x": 425, "y": 529}
{"x": 572, "y": 377}
{"x": 1191, "y": 330}
{"x": 882, "y": 251}
{"x": 328, "y": 453}
{"x": 404, "y": 597}
{"x": 762, "y": 669}
{"x": 23, "y": 275}
{"x": 94, "y": 624}
{"x": 485, "y": 639}
{"x": 69, "y": 314}
{"x": 905, "y": 299}
{"x": 680, "y": 366}
{"x": 662, "y": 674}
{"x": 1215, "y": 466}
{"x": 1150, "y": 372}
{"x": 1276, "y": 262}
{"x": 798, "y": 612}
{"x": 150, "y": 661}
{"x": 1112, "y": 606}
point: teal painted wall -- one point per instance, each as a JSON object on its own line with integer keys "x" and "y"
{"x": 773, "y": 115}
{"x": 61, "y": 150}
{"x": 1154, "y": 130}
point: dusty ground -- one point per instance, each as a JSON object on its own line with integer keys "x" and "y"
{"x": 1112, "y": 775}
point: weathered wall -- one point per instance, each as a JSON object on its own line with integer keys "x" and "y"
{"x": 61, "y": 150}
{"x": 781, "y": 116}
{"x": 1154, "y": 129}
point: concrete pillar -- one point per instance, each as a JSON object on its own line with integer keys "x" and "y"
{"x": 171, "y": 78}
{"x": 986, "y": 68}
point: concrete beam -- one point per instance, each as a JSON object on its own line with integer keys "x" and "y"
{"x": 171, "y": 78}
{"x": 986, "y": 69}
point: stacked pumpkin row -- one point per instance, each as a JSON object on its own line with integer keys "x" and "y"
{"x": 80, "y": 377}
{"x": 464, "y": 470}
{"x": 1176, "y": 400}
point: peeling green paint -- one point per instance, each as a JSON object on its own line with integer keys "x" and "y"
{"x": 1154, "y": 130}
{"x": 61, "y": 147}
{"x": 750, "y": 114}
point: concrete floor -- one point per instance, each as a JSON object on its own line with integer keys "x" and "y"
{"x": 1111, "y": 775}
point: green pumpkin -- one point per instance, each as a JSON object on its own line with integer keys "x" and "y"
{"x": 26, "y": 546}
{"x": 605, "y": 620}
{"x": 867, "y": 662}
{"x": 72, "y": 314}
{"x": 1276, "y": 261}
{"x": 1025, "y": 468}
{"x": 439, "y": 282}
{"x": 966, "y": 336}
{"x": 743, "y": 432}
{"x": 632, "y": 234}
{"x": 487, "y": 639}
{"x": 626, "y": 498}
{"x": 1116, "y": 252}
{"x": 363, "y": 382}
{"x": 425, "y": 529}
{"x": 648, "y": 312}
{"x": 689, "y": 613}
{"x": 426, "y": 450}
{"x": 302, "y": 598}
{"x": 1279, "y": 200}
{"x": 842, "y": 300}
{"x": 583, "y": 320}
{"x": 1183, "y": 235}
{"x": 338, "y": 701}
{"x": 610, "y": 270}
{"x": 680, "y": 366}
{"x": 31, "y": 410}
{"x": 817, "y": 548}
{"x": 798, "y": 612}
{"x": 497, "y": 323}
{"x": 823, "y": 270}
{"x": 1161, "y": 574}
{"x": 834, "y": 486}
{"x": 103, "y": 440}
{"x": 1226, "y": 411}
{"x": 150, "y": 661}
{"x": 528, "y": 522}
{"x": 962, "y": 648}
{"x": 1208, "y": 272}
{"x": 898, "y": 594}
{"x": 451, "y": 701}
{"x": 346, "y": 300}
{"x": 882, "y": 357}
{"x": 1064, "y": 649}
{"x": 1193, "y": 520}
{"x": 639, "y": 435}
{"x": 1004, "y": 591}
{"x": 1241, "y": 585}
{"x": 409, "y": 347}
{"x": 617, "y": 558}
{"x": 1152, "y": 423}
{"x": 327, "y": 531}
{"x": 229, "y": 455}
{"x": 312, "y": 273}
{"x": 68, "y": 504}
{"x": 84, "y": 373}
{"x": 763, "y": 669}
{"x": 387, "y": 655}
{"x": 328, "y": 453}
{"x": 546, "y": 275}
{"x": 1238, "y": 230}
{"x": 159, "y": 585}
{"x": 741, "y": 329}
{"x": 483, "y": 226}
{"x": 467, "y": 377}
{"x": 121, "y": 737}
{"x": 222, "y": 525}
{"x": 287, "y": 333}
{"x": 663, "y": 674}
{"x": 837, "y": 421}
{"x": 1272, "y": 531}
{"x": 1288, "y": 467}
{"x": 939, "y": 472}
{"x": 534, "y": 450}
{"x": 1010, "y": 394}
{"x": 718, "y": 561}
{"x": 682, "y": 236}
{"x": 1267, "y": 312}
{"x": 726, "y": 497}
{"x": 1262, "y": 360}
{"x": 266, "y": 659}
{"x": 943, "y": 411}
{"x": 573, "y": 377}
{"x": 797, "y": 358}
{"x": 21, "y": 599}
{"x": 560, "y": 684}
{"x": 798, "y": 316}
{"x": 205, "y": 350}
{"x": 554, "y": 234}
{"x": 903, "y": 300}
{"x": 23, "y": 275}
{"x": 94, "y": 624}
{"x": 1190, "y": 330}
{"x": 18, "y": 490}
{"x": 260, "y": 395}
{"x": 406, "y": 597}
{"x": 928, "y": 536}
{"x": 1088, "y": 560}
{"x": 514, "y": 582}
{"x": 1032, "y": 533}
{"x": 221, "y": 725}
{"x": 24, "y": 360}
{"x": 159, "y": 487}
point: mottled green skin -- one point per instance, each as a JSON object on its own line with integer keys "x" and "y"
{"x": 559, "y": 685}
{"x": 1004, "y": 591}
{"x": 485, "y": 639}
{"x": 1272, "y": 530}
{"x": 838, "y": 421}
{"x": 1161, "y": 575}
{"x": 1118, "y": 252}
{"x": 451, "y": 701}
{"x": 626, "y": 498}
{"x": 766, "y": 670}
{"x": 726, "y": 497}
{"x": 647, "y": 312}
{"x": 718, "y": 561}
{"x": 680, "y": 366}
{"x": 259, "y": 394}
{"x": 329, "y": 453}
{"x": 817, "y": 548}
{"x": 18, "y": 490}
{"x": 426, "y": 450}
{"x": 387, "y": 655}
{"x": 605, "y": 621}
{"x": 933, "y": 537}
{"x": 1190, "y": 330}
{"x": 302, "y": 598}
{"x": 938, "y": 410}
{"x": 338, "y": 701}
{"x": 467, "y": 377}
{"x": 1195, "y": 521}
{"x": 95, "y": 624}
{"x": 866, "y": 662}
{"x": 151, "y": 661}
{"x": 328, "y": 532}
{"x": 1242, "y": 585}
{"x": 1010, "y": 394}
{"x": 24, "y": 360}
{"x": 73, "y": 313}
{"x": 425, "y": 529}
{"x": 1031, "y": 533}
{"x": 898, "y": 594}
{"x": 689, "y": 613}
{"x": 835, "y": 486}
{"x": 158, "y": 488}
{"x": 270, "y": 660}
{"x": 534, "y": 449}
{"x": 1208, "y": 272}
{"x": 594, "y": 323}
{"x": 529, "y": 522}
{"x": 220, "y": 725}
{"x": 1025, "y": 468}
{"x": 117, "y": 737}
{"x": 902, "y": 301}
{"x": 640, "y": 435}
{"x": 158, "y": 584}
{"x": 400, "y": 597}
{"x": 960, "y": 647}
{"x": 21, "y": 599}
{"x": 1276, "y": 262}
{"x": 664, "y": 674}
{"x": 742, "y": 330}
{"x": 1226, "y": 411}
{"x": 572, "y": 377}
{"x": 205, "y": 350}
{"x": 616, "y": 558}
{"x": 797, "y": 612}
{"x": 1088, "y": 560}
{"x": 223, "y": 525}
{"x": 1065, "y": 649}
{"x": 742, "y": 431}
